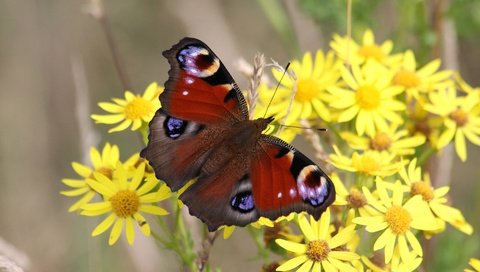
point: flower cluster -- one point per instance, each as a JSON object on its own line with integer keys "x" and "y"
{"x": 123, "y": 190}
{"x": 387, "y": 117}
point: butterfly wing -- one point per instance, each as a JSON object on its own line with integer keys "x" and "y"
{"x": 199, "y": 87}
{"x": 178, "y": 148}
{"x": 200, "y": 101}
{"x": 202, "y": 132}
{"x": 284, "y": 181}
{"x": 272, "y": 179}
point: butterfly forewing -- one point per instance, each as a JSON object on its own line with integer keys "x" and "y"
{"x": 199, "y": 87}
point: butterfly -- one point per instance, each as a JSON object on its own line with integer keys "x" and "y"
{"x": 203, "y": 133}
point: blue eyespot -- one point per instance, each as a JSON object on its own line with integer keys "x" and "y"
{"x": 174, "y": 127}
{"x": 243, "y": 202}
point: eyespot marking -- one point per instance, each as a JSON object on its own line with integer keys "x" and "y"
{"x": 312, "y": 185}
{"x": 243, "y": 202}
{"x": 174, "y": 127}
{"x": 197, "y": 61}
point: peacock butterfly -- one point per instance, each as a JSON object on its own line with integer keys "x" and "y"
{"x": 203, "y": 132}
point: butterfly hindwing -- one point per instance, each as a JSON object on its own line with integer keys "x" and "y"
{"x": 284, "y": 181}
{"x": 199, "y": 87}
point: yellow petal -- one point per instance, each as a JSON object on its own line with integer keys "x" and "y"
{"x": 151, "y": 91}
{"x": 95, "y": 157}
{"x": 412, "y": 240}
{"x": 110, "y": 107}
{"x": 116, "y": 231}
{"x": 389, "y": 247}
{"x": 306, "y": 228}
{"x": 343, "y": 255}
{"x": 75, "y": 183}
{"x": 82, "y": 201}
{"x": 460, "y": 146}
{"x": 76, "y": 192}
{"x": 142, "y": 223}
{"x": 81, "y": 169}
{"x": 121, "y": 127}
{"x": 344, "y": 236}
{"x": 129, "y": 230}
{"x": 107, "y": 119}
{"x": 383, "y": 239}
{"x": 292, "y": 263}
{"x": 291, "y": 246}
{"x": 104, "y": 225}
{"x": 153, "y": 210}
{"x": 306, "y": 266}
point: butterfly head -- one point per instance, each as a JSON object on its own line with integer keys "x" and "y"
{"x": 262, "y": 123}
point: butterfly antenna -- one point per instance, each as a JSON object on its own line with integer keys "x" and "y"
{"x": 276, "y": 89}
{"x": 287, "y": 126}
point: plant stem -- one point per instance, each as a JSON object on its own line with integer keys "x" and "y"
{"x": 98, "y": 12}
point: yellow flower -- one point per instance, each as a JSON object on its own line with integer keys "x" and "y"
{"x": 459, "y": 118}
{"x": 423, "y": 80}
{"x": 353, "y": 198}
{"x": 393, "y": 140}
{"x": 319, "y": 250}
{"x": 103, "y": 163}
{"x": 312, "y": 80}
{"x": 475, "y": 263}
{"x": 261, "y": 222}
{"x": 368, "y": 97}
{"x": 353, "y": 53}
{"x": 370, "y": 163}
{"x": 419, "y": 120}
{"x": 435, "y": 198}
{"x": 134, "y": 110}
{"x": 397, "y": 264}
{"x": 124, "y": 198}
{"x": 397, "y": 220}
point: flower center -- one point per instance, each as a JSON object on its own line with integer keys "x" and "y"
{"x": 368, "y": 97}
{"x": 365, "y": 163}
{"x": 371, "y": 51}
{"x": 406, "y": 78}
{"x": 356, "y": 199}
{"x": 138, "y": 108}
{"x": 125, "y": 203}
{"x": 422, "y": 188}
{"x": 317, "y": 250}
{"x": 105, "y": 171}
{"x": 380, "y": 142}
{"x": 398, "y": 219}
{"x": 459, "y": 116}
{"x": 307, "y": 89}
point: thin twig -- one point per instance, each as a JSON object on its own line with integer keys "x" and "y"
{"x": 11, "y": 258}
{"x": 204, "y": 253}
{"x": 255, "y": 79}
{"x": 246, "y": 69}
{"x": 96, "y": 9}
{"x": 314, "y": 140}
{"x": 349, "y": 32}
{"x": 293, "y": 76}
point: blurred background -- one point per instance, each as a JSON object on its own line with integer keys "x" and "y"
{"x": 55, "y": 65}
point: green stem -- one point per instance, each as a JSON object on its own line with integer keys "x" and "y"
{"x": 257, "y": 236}
{"x": 186, "y": 251}
{"x": 425, "y": 155}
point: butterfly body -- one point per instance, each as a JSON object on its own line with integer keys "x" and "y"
{"x": 202, "y": 133}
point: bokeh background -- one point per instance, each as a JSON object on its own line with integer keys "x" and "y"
{"x": 55, "y": 65}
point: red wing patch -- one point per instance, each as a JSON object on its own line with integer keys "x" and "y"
{"x": 199, "y": 87}
{"x": 284, "y": 181}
